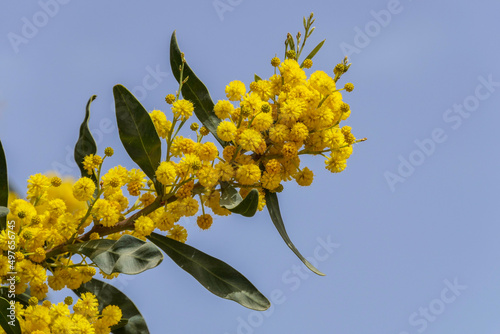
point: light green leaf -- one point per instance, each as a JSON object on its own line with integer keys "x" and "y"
{"x": 313, "y": 52}
{"x": 215, "y": 275}
{"x": 195, "y": 91}
{"x": 8, "y": 319}
{"x": 274, "y": 211}
{"x": 3, "y": 211}
{"x": 231, "y": 200}
{"x": 4, "y": 186}
{"x": 109, "y": 295}
{"x": 127, "y": 255}
{"x": 137, "y": 133}
{"x": 85, "y": 144}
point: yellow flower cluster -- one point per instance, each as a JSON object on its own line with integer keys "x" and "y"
{"x": 267, "y": 129}
{"x": 58, "y": 319}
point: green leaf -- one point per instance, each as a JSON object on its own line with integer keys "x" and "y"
{"x": 109, "y": 295}
{"x": 85, "y": 144}
{"x": 127, "y": 255}
{"x": 4, "y": 186}
{"x": 195, "y": 91}
{"x": 23, "y": 298}
{"x": 3, "y": 212}
{"x": 215, "y": 275}
{"x": 274, "y": 211}
{"x": 313, "y": 52}
{"x": 256, "y": 78}
{"x": 231, "y": 200}
{"x": 5, "y": 314}
{"x": 137, "y": 133}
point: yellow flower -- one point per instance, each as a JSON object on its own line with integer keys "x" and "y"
{"x": 208, "y": 176}
{"x": 183, "y": 109}
{"x": 250, "y": 140}
{"x": 83, "y": 189}
{"x": 178, "y": 233}
{"x": 111, "y": 315}
{"x": 270, "y": 180}
{"x": 223, "y": 109}
{"x": 248, "y": 174}
{"x": 165, "y": 221}
{"x": 225, "y": 171}
{"x": 291, "y": 110}
{"x": 91, "y": 162}
{"x": 182, "y": 145}
{"x": 279, "y": 133}
{"x": 235, "y": 90}
{"x": 87, "y": 305}
{"x": 226, "y": 131}
{"x": 105, "y": 212}
{"x": 335, "y": 165}
{"x": 208, "y": 152}
{"x": 166, "y": 173}
{"x": 144, "y": 226}
{"x": 162, "y": 125}
{"x": 262, "y": 121}
{"x": 299, "y": 132}
{"x": 322, "y": 82}
{"x": 273, "y": 166}
{"x": 37, "y": 185}
{"x": 292, "y": 73}
{"x": 204, "y": 221}
{"x": 304, "y": 177}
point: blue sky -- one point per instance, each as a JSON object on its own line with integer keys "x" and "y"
{"x": 407, "y": 235}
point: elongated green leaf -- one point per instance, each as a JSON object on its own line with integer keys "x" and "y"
{"x": 3, "y": 211}
{"x": 231, "y": 200}
{"x": 109, "y": 295}
{"x": 274, "y": 211}
{"x": 215, "y": 275}
{"x": 137, "y": 133}
{"x": 23, "y": 298}
{"x": 127, "y": 255}
{"x": 313, "y": 52}
{"x": 85, "y": 144}
{"x": 4, "y": 186}
{"x": 195, "y": 91}
{"x": 8, "y": 319}
{"x": 256, "y": 78}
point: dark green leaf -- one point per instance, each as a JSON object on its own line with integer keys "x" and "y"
{"x": 215, "y": 275}
{"x": 4, "y": 186}
{"x": 127, "y": 255}
{"x": 8, "y": 319}
{"x": 195, "y": 91}
{"x": 23, "y": 298}
{"x": 85, "y": 144}
{"x": 109, "y": 295}
{"x": 256, "y": 78}
{"x": 231, "y": 200}
{"x": 137, "y": 133}
{"x": 274, "y": 211}
{"x": 313, "y": 52}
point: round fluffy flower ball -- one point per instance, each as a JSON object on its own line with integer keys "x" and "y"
{"x": 204, "y": 221}
{"x": 226, "y": 131}
{"x": 83, "y": 189}
{"x": 166, "y": 173}
{"x": 144, "y": 226}
{"x": 235, "y": 90}
{"x": 183, "y": 109}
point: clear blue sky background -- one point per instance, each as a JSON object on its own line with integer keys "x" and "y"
{"x": 398, "y": 244}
